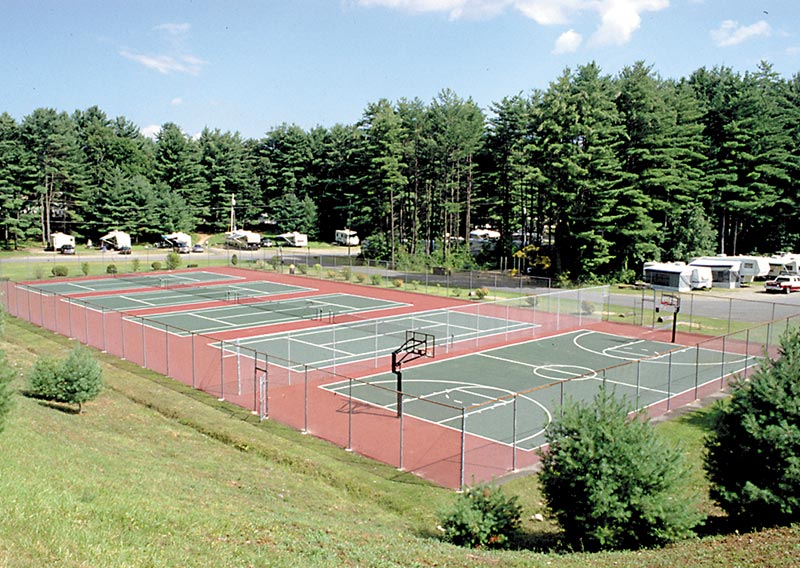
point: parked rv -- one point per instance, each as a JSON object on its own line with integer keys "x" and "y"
{"x": 346, "y": 237}
{"x": 677, "y": 276}
{"x": 295, "y": 239}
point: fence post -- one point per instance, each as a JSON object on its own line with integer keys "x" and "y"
{"x": 669, "y": 382}
{"x": 349, "y": 447}
{"x": 696, "y": 370}
{"x": 722, "y": 365}
{"x": 144, "y": 343}
{"x": 514, "y": 435}
{"x": 400, "y": 424}
{"x": 305, "y": 398}
{"x": 463, "y": 446}
{"x": 221, "y": 370}
{"x": 194, "y": 379}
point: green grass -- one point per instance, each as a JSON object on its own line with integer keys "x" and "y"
{"x": 155, "y": 474}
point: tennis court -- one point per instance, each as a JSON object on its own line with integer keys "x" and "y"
{"x": 353, "y": 341}
{"x": 183, "y": 294}
{"x": 241, "y": 316}
{"x": 505, "y": 392}
{"x": 131, "y": 282}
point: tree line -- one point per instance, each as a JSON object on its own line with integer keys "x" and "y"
{"x": 596, "y": 173}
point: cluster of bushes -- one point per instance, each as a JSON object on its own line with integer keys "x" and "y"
{"x": 74, "y": 380}
{"x": 612, "y": 482}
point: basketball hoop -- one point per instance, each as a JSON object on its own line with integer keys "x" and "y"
{"x": 416, "y": 345}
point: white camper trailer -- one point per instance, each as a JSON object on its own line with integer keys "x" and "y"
{"x": 783, "y": 263}
{"x": 58, "y": 240}
{"x": 117, "y": 240}
{"x": 726, "y": 271}
{"x": 175, "y": 240}
{"x": 346, "y": 237}
{"x": 749, "y": 268}
{"x": 483, "y": 239}
{"x": 295, "y": 239}
{"x": 677, "y": 276}
{"x": 243, "y": 239}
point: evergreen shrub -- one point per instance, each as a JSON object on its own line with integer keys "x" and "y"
{"x": 611, "y": 481}
{"x": 75, "y": 380}
{"x": 753, "y": 454}
{"x": 59, "y": 270}
{"x": 111, "y": 269}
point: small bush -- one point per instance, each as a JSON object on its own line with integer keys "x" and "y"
{"x": 753, "y": 454}
{"x": 330, "y": 274}
{"x": 6, "y": 394}
{"x": 234, "y": 260}
{"x": 75, "y": 380}
{"x": 136, "y": 264}
{"x": 302, "y": 268}
{"x": 59, "y": 270}
{"x": 483, "y": 516}
{"x": 174, "y": 260}
{"x": 258, "y": 265}
{"x": 85, "y": 268}
{"x": 414, "y": 284}
{"x": 587, "y": 307}
{"x": 532, "y": 301}
{"x": 156, "y": 265}
{"x": 375, "y": 279}
{"x": 361, "y": 277}
{"x": 318, "y": 269}
{"x": 191, "y": 266}
{"x": 397, "y": 283}
{"x": 38, "y": 273}
{"x": 346, "y": 273}
{"x": 111, "y": 269}
{"x": 481, "y": 293}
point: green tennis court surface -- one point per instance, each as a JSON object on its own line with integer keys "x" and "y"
{"x": 241, "y": 316}
{"x": 357, "y": 341}
{"x": 482, "y": 383}
{"x": 130, "y": 282}
{"x": 190, "y": 295}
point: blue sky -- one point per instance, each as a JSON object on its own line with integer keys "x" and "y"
{"x": 251, "y": 65}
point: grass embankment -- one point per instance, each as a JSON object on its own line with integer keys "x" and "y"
{"x": 154, "y": 474}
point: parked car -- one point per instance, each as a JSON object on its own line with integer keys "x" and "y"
{"x": 785, "y": 283}
{"x": 182, "y": 249}
{"x": 124, "y": 250}
{"x": 198, "y": 248}
{"x": 68, "y": 249}
{"x": 267, "y": 243}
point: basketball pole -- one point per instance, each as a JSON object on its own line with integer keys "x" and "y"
{"x": 396, "y": 370}
{"x": 675, "y": 321}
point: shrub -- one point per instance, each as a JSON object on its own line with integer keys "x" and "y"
{"x": 75, "y": 380}
{"x": 174, "y": 260}
{"x": 318, "y": 269}
{"x": 375, "y": 279}
{"x": 85, "y": 268}
{"x": 111, "y": 269}
{"x": 482, "y": 516}
{"x": 414, "y": 284}
{"x": 234, "y": 260}
{"x": 532, "y": 301}
{"x": 397, "y": 283}
{"x": 610, "y": 480}
{"x": 302, "y": 268}
{"x": 258, "y": 265}
{"x": 587, "y": 307}
{"x": 6, "y": 400}
{"x": 753, "y": 454}
{"x": 38, "y": 273}
{"x": 156, "y": 265}
{"x": 331, "y": 274}
{"x": 481, "y": 293}
{"x": 136, "y": 264}
{"x": 361, "y": 277}
{"x": 347, "y": 272}
{"x": 60, "y": 270}
{"x": 191, "y": 266}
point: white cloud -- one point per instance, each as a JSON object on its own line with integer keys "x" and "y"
{"x": 177, "y": 101}
{"x": 175, "y": 58}
{"x": 167, "y": 64}
{"x": 618, "y": 18}
{"x": 568, "y": 42}
{"x": 731, "y": 32}
{"x": 150, "y": 131}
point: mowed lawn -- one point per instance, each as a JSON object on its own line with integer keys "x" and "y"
{"x": 154, "y": 474}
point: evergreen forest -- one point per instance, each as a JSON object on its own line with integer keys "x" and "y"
{"x": 597, "y": 173}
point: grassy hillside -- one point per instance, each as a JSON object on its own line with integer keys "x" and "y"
{"x": 153, "y": 474}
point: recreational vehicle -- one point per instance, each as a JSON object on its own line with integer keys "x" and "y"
{"x": 783, "y": 263}
{"x": 58, "y": 240}
{"x": 677, "y": 276}
{"x": 749, "y": 268}
{"x": 295, "y": 239}
{"x": 346, "y": 237}
{"x": 118, "y": 240}
{"x": 178, "y": 241}
{"x": 242, "y": 239}
{"x": 726, "y": 271}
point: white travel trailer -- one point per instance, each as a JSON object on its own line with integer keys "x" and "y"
{"x": 58, "y": 240}
{"x": 178, "y": 239}
{"x": 295, "y": 239}
{"x": 783, "y": 263}
{"x": 243, "y": 239}
{"x": 346, "y": 237}
{"x": 677, "y": 276}
{"x": 116, "y": 240}
{"x": 749, "y": 267}
{"x": 483, "y": 239}
{"x": 726, "y": 271}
